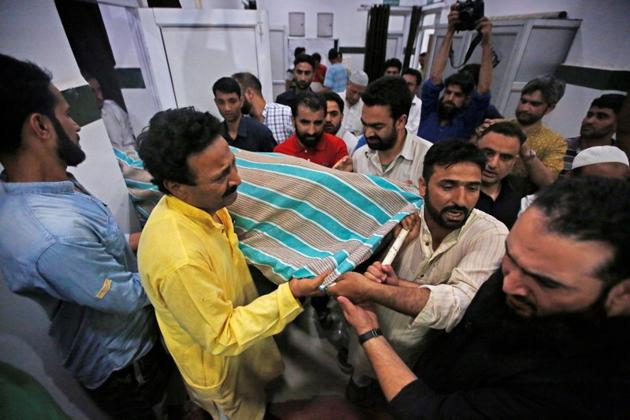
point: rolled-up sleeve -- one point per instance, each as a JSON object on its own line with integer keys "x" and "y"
{"x": 448, "y": 301}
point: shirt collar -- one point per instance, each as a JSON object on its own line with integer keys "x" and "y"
{"x": 199, "y": 215}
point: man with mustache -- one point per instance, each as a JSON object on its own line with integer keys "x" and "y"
{"x": 598, "y": 127}
{"x": 239, "y": 131}
{"x": 545, "y": 336}
{"x": 213, "y": 322}
{"x": 60, "y": 246}
{"x": 455, "y": 249}
{"x": 461, "y": 108}
{"x": 334, "y": 118}
{"x": 309, "y": 141}
{"x": 303, "y": 71}
{"x": 541, "y": 156}
{"x": 501, "y": 193}
{"x": 391, "y": 151}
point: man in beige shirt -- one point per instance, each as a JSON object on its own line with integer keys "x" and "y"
{"x": 434, "y": 278}
{"x": 391, "y": 151}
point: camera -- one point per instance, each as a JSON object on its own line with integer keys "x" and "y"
{"x": 470, "y": 11}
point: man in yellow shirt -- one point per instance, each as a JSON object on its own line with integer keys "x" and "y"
{"x": 214, "y": 324}
{"x": 542, "y": 155}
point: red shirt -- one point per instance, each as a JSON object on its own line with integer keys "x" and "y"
{"x": 320, "y": 74}
{"x": 327, "y": 152}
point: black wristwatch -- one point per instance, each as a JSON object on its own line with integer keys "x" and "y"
{"x": 369, "y": 335}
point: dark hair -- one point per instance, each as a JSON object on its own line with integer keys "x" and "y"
{"x": 450, "y": 152}
{"x": 612, "y": 101}
{"x": 463, "y": 80}
{"x": 298, "y": 50}
{"x": 304, "y": 58}
{"x": 247, "y": 81}
{"x": 317, "y": 57}
{"x": 333, "y": 54}
{"x": 414, "y": 73}
{"x": 24, "y": 90}
{"x": 333, "y": 96}
{"x": 226, "y": 85}
{"x": 311, "y": 100}
{"x": 551, "y": 88}
{"x": 506, "y": 128}
{"x": 392, "y": 62}
{"x": 592, "y": 208}
{"x": 389, "y": 91}
{"x": 171, "y": 137}
{"x": 473, "y": 69}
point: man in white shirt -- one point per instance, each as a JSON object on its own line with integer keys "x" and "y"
{"x": 413, "y": 78}
{"x": 453, "y": 250}
{"x": 115, "y": 118}
{"x": 334, "y": 116}
{"x": 353, "y": 104}
{"x": 391, "y": 151}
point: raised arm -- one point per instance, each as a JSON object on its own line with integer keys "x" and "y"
{"x": 485, "y": 72}
{"x": 439, "y": 64}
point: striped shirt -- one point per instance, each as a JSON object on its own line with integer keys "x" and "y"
{"x": 279, "y": 120}
{"x": 453, "y": 273}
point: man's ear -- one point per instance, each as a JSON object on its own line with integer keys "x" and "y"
{"x": 176, "y": 189}
{"x": 40, "y": 125}
{"x": 618, "y": 299}
{"x": 401, "y": 122}
{"x": 422, "y": 187}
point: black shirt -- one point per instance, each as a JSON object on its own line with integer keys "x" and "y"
{"x": 508, "y": 203}
{"x": 496, "y": 365}
{"x": 251, "y": 135}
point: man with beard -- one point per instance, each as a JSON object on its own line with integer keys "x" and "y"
{"x": 334, "y": 116}
{"x": 242, "y": 132}
{"x": 276, "y": 117}
{"x": 434, "y": 278}
{"x": 461, "y": 108}
{"x": 357, "y": 83}
{"x": 391, "y": 151}
{"x": 598, "y": 127}
{"x": 310, "y": 142}
{"x": 61, "y": 247}
{"x": 303, "y": 72}
{"x": 213, "y": 322}
{"x": 541, "y": 156}
{"x": 545, "y": 336}
{"x": 501, "y": 193}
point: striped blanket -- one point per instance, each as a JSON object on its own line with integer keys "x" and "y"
{"x": 295, "y": 218}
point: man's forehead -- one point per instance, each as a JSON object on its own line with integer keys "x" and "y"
{"x": 303, "y": 67}
{"x": 460, "y": 172}
{"x": 304, "y": 112}
{"x": 598, "y": 110}
{"x": 535, "y": 95}
{"x": 226, "y": 95}
{"x": 498, "y": 140}
{"x": 376, "y": 112}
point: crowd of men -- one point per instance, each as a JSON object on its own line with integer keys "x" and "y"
{"x": 509, "y": 298}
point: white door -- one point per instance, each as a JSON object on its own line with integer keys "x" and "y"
{"x": 189, "y": 49}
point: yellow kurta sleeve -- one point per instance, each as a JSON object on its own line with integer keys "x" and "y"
{"x": 552, "y": 152}
{"x": 197, "y": 301}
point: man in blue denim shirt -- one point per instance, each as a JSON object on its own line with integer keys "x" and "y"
{"x": 461, "y": 108}
{"x": 62, "y": 247}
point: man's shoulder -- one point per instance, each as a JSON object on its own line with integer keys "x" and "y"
{"x": 418, "y": 146}
{"x": 333, "y": 140}
{"x": 287, "y": 146}
{"x": 277, "y": 108}
{"x": 550, "y": 135}
{"x": 482, "y": 223}
{"x": 254, "y": 125}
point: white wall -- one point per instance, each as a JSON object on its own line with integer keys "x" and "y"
{"x": 118, "y": 24}
{"x": 349, "y": 24}
{"x": 31, "y": 29}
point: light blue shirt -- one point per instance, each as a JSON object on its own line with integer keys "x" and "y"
{"x": 336, "y": 77}
{"x": 63, "y": 248}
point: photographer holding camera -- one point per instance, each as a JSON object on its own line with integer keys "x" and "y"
{"x": 461, "y": 108}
